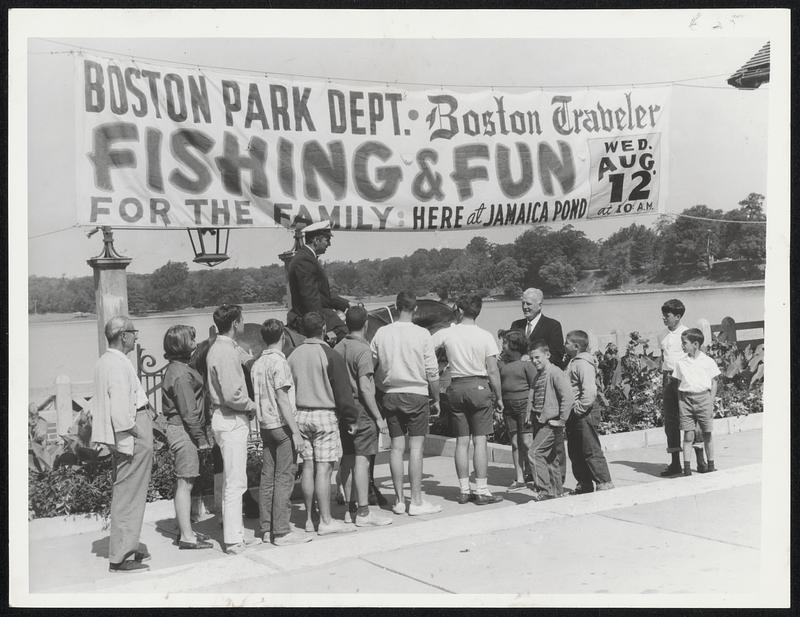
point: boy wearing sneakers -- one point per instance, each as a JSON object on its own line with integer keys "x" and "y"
{"x": 589, "y": 465}
{"x": 552, "y": 403}
{"x": 671, "y": 351}
{"x": 273, "y": 389}
{"x": 516, "y": 381}
{"x": 472, "y": 356}
{"x": 359, "y": 446}
{"x": 697, "y": 376}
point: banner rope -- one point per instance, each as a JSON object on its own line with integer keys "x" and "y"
{"x": 703, "y": 218}
{"x": 113, "y": 56}
{"x": 54, "y": 231}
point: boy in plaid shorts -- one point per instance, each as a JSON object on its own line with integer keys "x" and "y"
{"x": 324, "y": 401}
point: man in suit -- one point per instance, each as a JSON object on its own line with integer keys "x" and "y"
{"x": 308, "y": 283}
{"x": 123, "y": 419}
{"x": 540, "y": 327}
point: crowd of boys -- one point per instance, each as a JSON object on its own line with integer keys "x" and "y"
{"x": 329, "y": 405}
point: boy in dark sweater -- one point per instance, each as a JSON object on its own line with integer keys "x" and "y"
{"x": 516, "y": 381}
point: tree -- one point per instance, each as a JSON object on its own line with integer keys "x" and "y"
{"x": 746, "y": 239}
{"x": 690, "y": 241}
{"x": 168, "y": 286}
{"x": 558, "y": 276}
{"x": 509, "y": 276}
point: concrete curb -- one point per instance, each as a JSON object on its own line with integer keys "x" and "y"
{"x": 439, "y": 445}
{"x": 268, "y": 560}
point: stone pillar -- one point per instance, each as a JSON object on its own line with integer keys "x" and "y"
{"x": 110, "y": 285}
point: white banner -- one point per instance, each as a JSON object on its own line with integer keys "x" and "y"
{"x": 169, "y": 147}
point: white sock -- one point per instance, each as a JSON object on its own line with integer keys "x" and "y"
{"x": 481, "y": 486}
{"x": 464, "y": 484}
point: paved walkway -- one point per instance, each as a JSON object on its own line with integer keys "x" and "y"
{"x": 697, "y": 535}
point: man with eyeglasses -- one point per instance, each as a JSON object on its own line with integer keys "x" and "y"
{"x": 123, "y": 419}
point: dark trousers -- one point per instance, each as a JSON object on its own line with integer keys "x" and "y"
{"x": 277, "y": 481}
{"x": 129, "y": 493}
{"x": 545, "y": 457}
{"x": 588, "y": 461}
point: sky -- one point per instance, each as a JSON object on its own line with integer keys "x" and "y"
{"x": 718, "y": 135}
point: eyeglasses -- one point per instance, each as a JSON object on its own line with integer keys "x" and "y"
{"x": 132, "y": 331}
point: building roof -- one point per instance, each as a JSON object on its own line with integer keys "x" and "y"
{"x": 754, "y": 72}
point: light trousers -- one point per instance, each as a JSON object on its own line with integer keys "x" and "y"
{"x": 230, "y": 432}
{"x": 129, "y": 493}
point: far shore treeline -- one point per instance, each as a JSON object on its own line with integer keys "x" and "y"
{"x": 556, "y": 261}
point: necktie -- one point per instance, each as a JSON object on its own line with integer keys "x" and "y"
{"x": 528, "y": 329}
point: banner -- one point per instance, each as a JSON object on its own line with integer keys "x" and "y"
{"x": 168, "y": 147}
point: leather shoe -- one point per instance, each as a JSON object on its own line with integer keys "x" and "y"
{"x": 672, "y": 470}
{"x": 194, "y": 545}
{"x": 485, "y": 499}
{"x": 129, "y": 565}
{"x": 141, "y": 556}
{"x": 465, "y": 498}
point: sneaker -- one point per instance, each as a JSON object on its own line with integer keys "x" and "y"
{"x": 515, "y": 487}
{"x": 310, "y": 526}
{"x": 128, "y": 566}
{"x": 424, "y": 508}
{"x": 399, "y": 507}
{"x": 483, "y": 499}
{"x": 349, "y": 517}
{"x": 605, "y": 486}
{"x": 333, "y": 527}
{"x": 293, "y": 537}
{"x": 372, "y": 519}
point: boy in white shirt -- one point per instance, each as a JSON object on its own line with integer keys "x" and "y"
{"x": 697, "y": 374}
{"x": 473, "y": 392}
{"x": 671, "y": 351}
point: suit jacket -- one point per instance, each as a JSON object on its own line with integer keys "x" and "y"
{"x": 118, "y": 393}
{"x": 548, "y": 330}
{"x": 308, "y": 285}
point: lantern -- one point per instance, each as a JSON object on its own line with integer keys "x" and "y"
{"x": 216, "y": 251}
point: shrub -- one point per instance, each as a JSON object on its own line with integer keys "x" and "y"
{"x": 86, "y": 488}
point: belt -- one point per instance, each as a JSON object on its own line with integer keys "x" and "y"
{"x": 470, "y": 377}
{"x": 333, "y": 409}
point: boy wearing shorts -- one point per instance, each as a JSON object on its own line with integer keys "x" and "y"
{"x": 697, "y": 375}
{"x": 671, "y": 351}
{"x": 516, "y": 381}
{"x": 552, "y": 403}
{"x": 273, "y": 389}
{"x": 407, "y": 374}
{"x": 324, "y": 402}
{"x": 359, "y": 446}
{"x": 472, "y": 356}
{"x": 589, "y": 464}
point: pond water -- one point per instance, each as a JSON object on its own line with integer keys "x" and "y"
{"x": 70, "y": 347}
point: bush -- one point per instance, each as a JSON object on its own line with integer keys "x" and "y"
{"x": 85, "y": 489}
